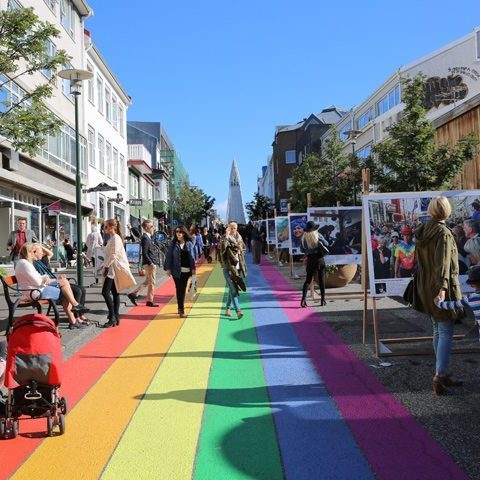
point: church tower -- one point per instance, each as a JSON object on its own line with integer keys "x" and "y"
{"x": 235, "y": 209}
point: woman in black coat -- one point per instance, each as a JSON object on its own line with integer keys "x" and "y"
{"x": 180, "y": 264}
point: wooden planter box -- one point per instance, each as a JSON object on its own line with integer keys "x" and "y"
{"x": 342, "y": 277}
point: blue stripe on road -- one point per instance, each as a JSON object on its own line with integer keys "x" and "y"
{"x": 314, "y": 439}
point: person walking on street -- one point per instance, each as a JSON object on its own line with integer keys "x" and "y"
{"x": 150, "y": 260}
{"x": 94, "y": 241}
{"x": 314, "y": 247}
{"x": 232, "y": 251}
{"x": 257, "y": 244}
{"x": 436, "y": 279}
{"x": 180, "y": 264}
{"x": 116, "y": 272}
{"x": 19, "y": 237}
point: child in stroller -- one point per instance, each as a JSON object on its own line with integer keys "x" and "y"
{"x": 33, "y": 375}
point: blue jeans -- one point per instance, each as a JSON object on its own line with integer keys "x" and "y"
{"x": 442, "y": 344}
{"x": 232, "y": 291}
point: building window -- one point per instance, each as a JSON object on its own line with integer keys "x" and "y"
{"x": 67, "y": 16}
{"x": 50, "y": 50}
{"x": 108, "y": 105}
{"x": 101, "y": 207}
{"x": 116, "y": 167}
{"x": 122, "y": 170}
{"x": 14, "y": 5}
{"x": 114, "y": 113}
{"x": 289, "y": 184}
{"x": 91, "y": 146}
{"x": 100, "y": 94}
{"x": 108, "y": 152}
{"x": 51, "y": 4}
{"x": 91, "y": 87}
{"x": 365, "y": 118}
{"x": 66, "y": 83}
{"x": 390, "y": 100}
{"x": 364, "y": 152}
{"x": 477, "y": 43}
{"x": 101, "y": 153}
{"x": 343, "y": 131}
{"x": 290, "y": 156}
{"x": 121, "y": 120}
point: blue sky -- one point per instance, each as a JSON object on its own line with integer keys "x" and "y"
{"x": 220, "y": 75}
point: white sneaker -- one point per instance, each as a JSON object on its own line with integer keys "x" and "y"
{"x": 280, "y": 264}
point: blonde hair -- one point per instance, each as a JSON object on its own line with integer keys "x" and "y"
{"x": 113, "y": 222}
{"x": 439, "y": 208}
{"x": 26, "y": 251}
{"x": 311, "y": 239}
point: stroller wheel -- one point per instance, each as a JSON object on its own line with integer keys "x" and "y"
{"x": 63, "y": 404}
{"x": 49, "y": 425}
{"x": 61, "y": 423}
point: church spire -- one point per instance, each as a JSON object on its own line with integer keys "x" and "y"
{"x": 235, "y": 209}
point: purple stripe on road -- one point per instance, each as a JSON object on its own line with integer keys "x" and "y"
{"x": 394, "y": 443}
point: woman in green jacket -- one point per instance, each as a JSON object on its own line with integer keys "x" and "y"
{"x": 437, "y": 276}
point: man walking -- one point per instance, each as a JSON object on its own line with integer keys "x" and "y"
{"x": 150, "y": 260}
{"x": 19, "y": 237}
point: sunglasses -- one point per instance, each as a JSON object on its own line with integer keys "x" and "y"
{"x": 178, "y": 231}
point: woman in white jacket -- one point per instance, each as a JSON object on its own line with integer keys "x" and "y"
{"x": 117, "y": 274}
{"x": 50, "y": 288}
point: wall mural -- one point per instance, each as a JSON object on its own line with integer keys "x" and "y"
{"x": 444, "y": 90}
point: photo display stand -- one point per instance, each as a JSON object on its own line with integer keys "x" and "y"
{"x": 417, "y": 212}
{"x": 337, "y": 225}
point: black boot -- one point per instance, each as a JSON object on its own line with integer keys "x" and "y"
{"x": 303, "y": 302}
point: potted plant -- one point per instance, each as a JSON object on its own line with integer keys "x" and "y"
{"x": 340, "y": 275}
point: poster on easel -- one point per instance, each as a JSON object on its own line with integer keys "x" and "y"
{"x": 271, "y": 235}
{"x": 342, "y": 229}
{"x": 392, "y": 219}
{"x": 297, "y": 222}
{"x": 282, "y": 237}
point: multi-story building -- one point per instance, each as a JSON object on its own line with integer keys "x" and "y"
{"x": 106, "y": 109}
{"x": 290, "y": 146}
{"x": 29, "y": 184}
{"x": 167, "y": 171}
{"x": 265, "y": 182}
{"x": 452, "y": 97}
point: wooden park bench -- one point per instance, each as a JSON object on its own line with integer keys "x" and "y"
{"x": 10, "y": 288}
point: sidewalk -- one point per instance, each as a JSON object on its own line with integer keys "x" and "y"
{"x": 72, "y": 340}
{"x": 452, "y": 419}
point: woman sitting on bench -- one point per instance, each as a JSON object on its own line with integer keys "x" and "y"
{"x": 50, "y": 289}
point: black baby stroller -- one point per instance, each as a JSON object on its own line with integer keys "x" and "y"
{"x": 33, "y": 375}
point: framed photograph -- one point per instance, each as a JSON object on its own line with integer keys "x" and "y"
{"x": 271, "y": 235}
{"x": 282, "y": 236}
{"x": 392, "y": 219}
{"x": 342, "y": 229}
{"x": 296, "y": 223}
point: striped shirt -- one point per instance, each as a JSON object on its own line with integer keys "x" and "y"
{"x": 472, "y": 300}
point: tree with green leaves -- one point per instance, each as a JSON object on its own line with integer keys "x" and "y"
{"x": 208, "y": 203}
{"x": 409, "y": 158}
{"x": 329, "y": 178}
{"x": 259, "y": 207}
{"x": 189, "y": 204}
{"x": 24, "y": 119}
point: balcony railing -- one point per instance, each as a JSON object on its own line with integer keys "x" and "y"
{"x": 139, "y": 152}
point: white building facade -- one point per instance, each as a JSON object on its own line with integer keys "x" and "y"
{"x": 452, "y": 78}
{"x": 29, "y": 184}
{"x": 265, "y": 183}
{"x": 106, "y": 104}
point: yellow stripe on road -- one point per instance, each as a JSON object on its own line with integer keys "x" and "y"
{"x": 95, "y": 425}
{"x": 161, "y": 440}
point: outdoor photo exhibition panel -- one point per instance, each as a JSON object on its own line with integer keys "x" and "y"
{"x": 392, "y": 219}
{"x": 342, "y": 228}
{"x": 281, "y": 232}
{"x": 271, "y": 236}
{"x": 297, "y": 223}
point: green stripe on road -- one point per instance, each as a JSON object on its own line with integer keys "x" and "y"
{"x": 238, "y": 438}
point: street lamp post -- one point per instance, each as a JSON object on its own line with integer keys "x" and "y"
{"x": 76, "y": 77}
{"x": 353, "y": 135}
